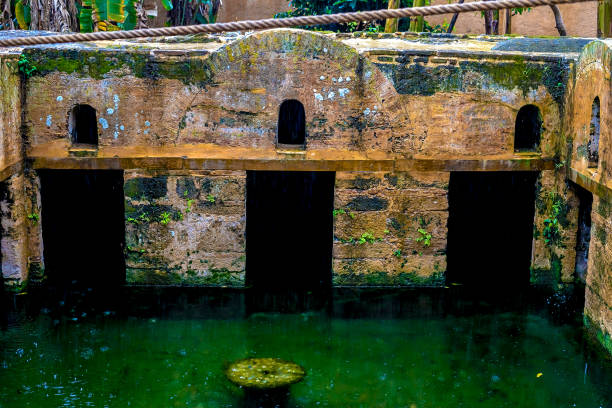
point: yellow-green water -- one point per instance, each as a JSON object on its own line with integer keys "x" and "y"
{"x": 387, "y": 353}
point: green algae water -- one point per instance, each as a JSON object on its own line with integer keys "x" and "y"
{"x": 360, "y": 349}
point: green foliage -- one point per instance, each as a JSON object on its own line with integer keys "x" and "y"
{"x": 190, "y": 201}
{"x": 112, "y": 15}
{"x": 552, "y": 224}
{"x": 26, "y": 68}
{"x": 316, "y": 7}
{"x": 343, "y": 211}
{"x": 167, "y": 4}
{"x": 34, "y": 218}
{"x": 141, "y": 219}
{"x": 164, "y": 218}
{"x": 365, "y": 238}
{"x": 210, "y": 198}
{"x": 424, "y": 237}
{"x": 22, "y": 14}
{"x": 397, "y": 253}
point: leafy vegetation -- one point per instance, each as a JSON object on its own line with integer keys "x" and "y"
{"x": 424, "y": 237}
{"x": 316, "y": 7}
{"x": 164, "y": 218}
{"x": 34, "y": 218}
{"x": 26, "y": 68}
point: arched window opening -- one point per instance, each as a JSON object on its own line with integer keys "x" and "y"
{"x": 528, "y": 129}
{"x": 83, "y": 125}
{"x": 292, "y": 123}
{"x": 593, "y": 146}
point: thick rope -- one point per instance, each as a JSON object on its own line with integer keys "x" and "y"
{"x": 249, "y": 25}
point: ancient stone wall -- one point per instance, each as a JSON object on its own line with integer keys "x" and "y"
{"x": 21, "y": 241}
{"x": 390, "y": 228}
{"x": 185, "y": 228}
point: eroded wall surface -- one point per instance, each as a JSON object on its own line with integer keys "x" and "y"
{"x": 390, "y": 228}
{"x": 185, "y": 228}
{"x": 592, "y": 80}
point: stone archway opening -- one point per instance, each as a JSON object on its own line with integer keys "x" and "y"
{"x": 594, "y": 128}
{"x": 528, "y": 129}
{"x": 583, "y": 238}
{"x": 83, "y": 125}
{"x": 291, "y": 123}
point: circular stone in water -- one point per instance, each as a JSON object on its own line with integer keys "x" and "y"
{"x": 264, "y": 373}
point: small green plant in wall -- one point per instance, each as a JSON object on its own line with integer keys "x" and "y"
{"x": 164, "y": 218}
{"x": 141, "y": 219}
{"x": 26, "y": 68}
{"x": 341, "y": 211}
{"x": 189, "y": 201}
{"x": 34, "y": 218}
{"x": 424, "y": 237}
{"x": 552, "y": 228}
{"x": 210, "y": 198}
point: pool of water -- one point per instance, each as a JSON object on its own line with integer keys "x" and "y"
{"x": 168, "y": 348}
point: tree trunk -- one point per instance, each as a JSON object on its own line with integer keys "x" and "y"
{"x": 6, "y": 19}
{"x": 451, "y": 26}
{"x": 559, "y": 21}
{"x": 508, "y": 29}
{"x": 417, "y": 24}
{"x": 392, "y": 23}
{"x": 54, "y": 15}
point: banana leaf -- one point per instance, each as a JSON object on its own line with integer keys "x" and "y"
{"x": 85, "y": 21}
{"x": 110, "y": 10}
{"x": 167, "y": 4}
{"x": 22, "y": 13}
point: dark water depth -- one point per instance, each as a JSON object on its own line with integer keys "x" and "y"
{"x": 168, "y": 348}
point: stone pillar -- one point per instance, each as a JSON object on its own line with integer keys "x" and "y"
{"x": 185, "y": 228}
{"x": 555, "y": 232}
{"x": 598, "y": 295}
{"x": 390, "y": 229}
{"x": 21, "y": 242}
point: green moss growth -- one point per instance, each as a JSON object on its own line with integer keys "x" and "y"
{"x": 417, "y": 79}
{"x": 98, "y": 64}
{"x": 603, "y": 339}
{"x": 381, "y": 278}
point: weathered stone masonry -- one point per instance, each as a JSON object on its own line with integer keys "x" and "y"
{"x": 392, "y": 115}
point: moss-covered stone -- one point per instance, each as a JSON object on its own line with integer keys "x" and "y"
{"x": 367, "y": 203}
{"x": 147, "y": 188}
{"x": 381, "y": 278}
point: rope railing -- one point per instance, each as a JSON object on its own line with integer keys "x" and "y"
{"x": 249, "y": 25}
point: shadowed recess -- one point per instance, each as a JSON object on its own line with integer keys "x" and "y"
{"x": 291, "y": 123}
{"x": 83, "y": 226}
{"x": 490, "y": 228}
{"x": 528, "y": 129}
{"x": 289, "y": 229}
{"x": 83, "y": 125}
{"x": 593, "y": 146}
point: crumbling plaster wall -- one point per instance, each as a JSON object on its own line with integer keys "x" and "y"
{"x": 20, "y": 243}
{"x": 185, "y": 229}
{"x": 398, "y": 104}
{"x": 592, "y": 79}
{"x": 390, "y": 228}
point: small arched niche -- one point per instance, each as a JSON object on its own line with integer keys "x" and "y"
{"x": 593, "y": 145}
{"x": 291, "y": 123}
{"x": 528, "y": 129}
{"x": 83, "y": 125}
